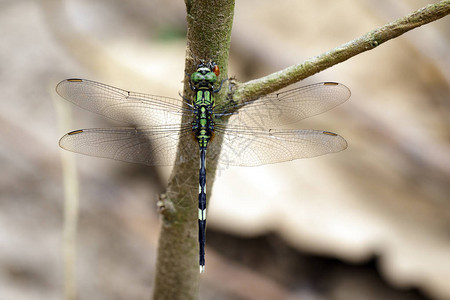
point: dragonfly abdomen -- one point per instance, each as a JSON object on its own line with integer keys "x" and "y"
{"x": 202, "y": 209}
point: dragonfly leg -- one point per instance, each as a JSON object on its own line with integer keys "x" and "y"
{"x": 186, "y": 100}
{"x": 220, "y": 87}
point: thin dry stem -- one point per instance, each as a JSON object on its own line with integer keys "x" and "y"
{"x": 275, "y": 81}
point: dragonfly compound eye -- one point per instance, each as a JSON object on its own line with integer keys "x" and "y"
{"x": 210, "y": 77}
{"x": 197, "y": 77}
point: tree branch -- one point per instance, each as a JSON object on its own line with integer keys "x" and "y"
{"x": 275, "y": 81}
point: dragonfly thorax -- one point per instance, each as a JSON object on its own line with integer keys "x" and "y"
{"x": 203, "y": 124}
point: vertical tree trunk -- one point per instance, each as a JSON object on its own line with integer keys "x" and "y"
{"x": 177, "y": 270}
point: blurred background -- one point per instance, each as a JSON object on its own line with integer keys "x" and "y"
{"x": 371, "y": 222}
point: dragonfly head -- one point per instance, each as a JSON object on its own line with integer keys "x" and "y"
{"x": 206, "y": 74}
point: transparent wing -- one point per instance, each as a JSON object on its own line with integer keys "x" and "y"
{"x": 154, "y": 147}
{"x": 134, "y": 109}
{"x": 289, "y": 106}
{"x": 254, "y": 147}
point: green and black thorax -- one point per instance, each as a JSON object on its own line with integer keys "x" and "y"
{"x": 202, "y": 83}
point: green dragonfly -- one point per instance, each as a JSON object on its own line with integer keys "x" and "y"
{"x": 156, "y": 124}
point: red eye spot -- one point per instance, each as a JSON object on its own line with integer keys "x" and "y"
{"x": 216, "y": 70}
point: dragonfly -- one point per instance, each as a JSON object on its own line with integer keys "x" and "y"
{"x": 240, "y": 133}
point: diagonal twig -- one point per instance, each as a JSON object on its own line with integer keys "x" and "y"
{"x": 275, "y": 81}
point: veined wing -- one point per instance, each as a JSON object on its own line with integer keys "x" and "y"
{"x": 154, "y": 147}
{"x": 253, "y": 146}
{"x": 289, "y": 106}
{"x": 134, "y": 109}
